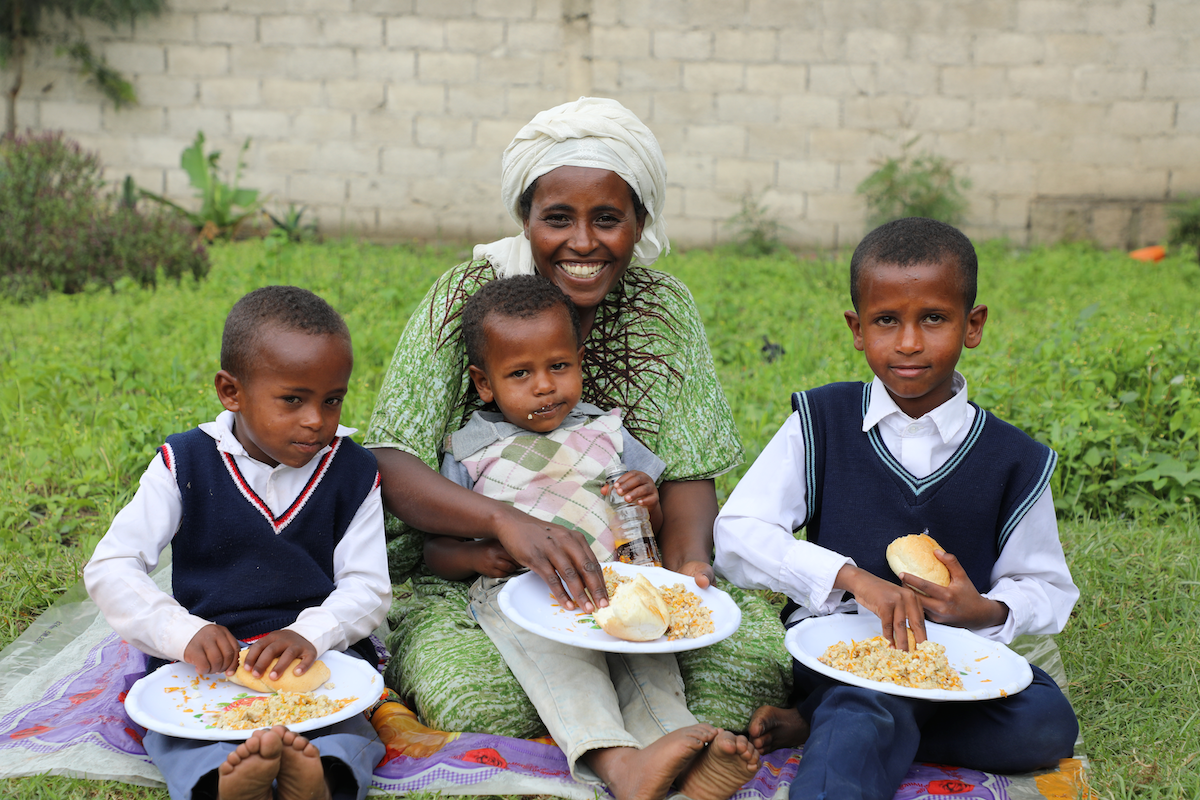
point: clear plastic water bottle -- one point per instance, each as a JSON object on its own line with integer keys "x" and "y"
{"x": 633, "y": 538}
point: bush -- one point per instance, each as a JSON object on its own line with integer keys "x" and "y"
{"x": 914, "y": 186}
{"x": 62, "y": 234}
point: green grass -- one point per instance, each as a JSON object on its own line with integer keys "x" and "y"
{"x": 1091, "y": 352}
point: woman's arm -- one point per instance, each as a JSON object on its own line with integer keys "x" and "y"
{"x": 427, "y": 501}
{"x": 689, "y": 509}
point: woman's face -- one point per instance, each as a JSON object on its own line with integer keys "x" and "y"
{"x": 583, "y": 227}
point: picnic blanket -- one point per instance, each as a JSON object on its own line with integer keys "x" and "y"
{"x": 63, "y": 682}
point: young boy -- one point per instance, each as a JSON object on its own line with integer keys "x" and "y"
{"x": 620, "y": 719}
{"x": 859, "y": 465}
{"x": 275, "y": 523}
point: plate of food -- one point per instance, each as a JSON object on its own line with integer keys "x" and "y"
{"x": 984, "y": 669}
{"x": 670, "y": 616}
{"x": 177, "y": 701}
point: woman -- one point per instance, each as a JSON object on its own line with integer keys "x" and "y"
{"x": 586, "y": 180}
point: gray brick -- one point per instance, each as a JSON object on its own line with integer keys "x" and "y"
{"x": 525, "y": 102}
{"x": 908, "y": 78}
{"x": 776, "y": 78}
{"x": 264, "y": 62}
{"x": 226, "y": 28}
{"x": 808, "y": 46}
{"x": 974, "y": 82}
{"x": 713, "y": 77}
{"x": 835, "y": 207}
{"x": 939, "y": 48}
{"x": 162, "y": 151}
{"x": 136, "y": 120}
{"x": 1049, "y": 16}
{"x": 473, "y": 164}
{"x": 160, "y": 90}
{"x": 1188, "y": 117}
{"x": 967, "y": 145}
{"x": 322, "y": 124}
{"x": 474, "y": 35}
{"x": 444, "y": 132}
{"x": 1120, "y": 181}
{"x": 1140, "y": 118}
{"x": 690, "y": 170}
{"x": 384, "y": 127}
{"x": 881, "y": 112}
{"x": 838, "y": 80}
{"x": 941, "y": 113}
{"x": 135, "y": 58}
{"x": 382, "y": 6}
{"x": 505, "y": 9}
{"x": 782, "y": 141}
{"x": 1168, "y": 152}
{"x": 1042, "y": 81}
{"x": 259, "y": 123}
{"x": 411, "y": 161}
{"x": 710, "y": 204}
{"x": 320, "y": 62}
{"x": 684, "y": 107}
{"x": 510, "y": 71}
{"x": 328, "y": 7}
{"x": 808, "y": 175}
{"x": 314, "y": 188}
{"x": 355, "y": 95}
{"x": 416, "y": 99}
{"x": 342, "y": 156}
{"x": 649, "y": 74}
{"x": 979, "y": 15}
{"x": 289, "y": 30}
{"x": 446, "y": 67}
{"x": 1169, "y": 83}
{"x": 386, "y": 65}
{"x": 443, "y": 8}
{"x": 1122, "y": 17}
{"x": 198, "y": 60}
{"x": 353, "y": 30}
{"x": 289, "y": 95}
{"x": 1039, "y": 148}
{"x": 1008, "y": 48}
{"x": 186, "y": 121}
{"x": 1097, "y": 83}
{"x": 744, "y": 45}
{"x": 1004, "y": 177}
{"x": 230, "y": 92}
{"x": 783, "y": 14}
{"x": 621, "y": 43}
{"x": 748, "y": 108}
{"x": 1179, "y": 15}
{"x": 683, "y": 45}
{"x": 606, "y": 76}
{"x": 812, "y": 110}
{"x": 1079, "y": 48}
{"x": 718, "y": 140}
{"x": 415, "y": 32}
{"x": 1100, "y": 147}
{"x": 534, "y": 36}
{"x": 1149, "y": 49}
{"x": 872, "y": 46}
{"x": 474, "y": 102}
{"x": 493, "y": 135}
{"x": 168, "y": 27}
{"x": 1008, "y": 114}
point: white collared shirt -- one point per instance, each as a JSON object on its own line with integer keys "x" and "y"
{"x": 117, "y": 577}
{"x": 755, "y": 547}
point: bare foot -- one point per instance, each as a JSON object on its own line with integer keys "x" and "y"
{"x": 301, "y": 773}
{"x": 648, "y": 774}
{"x": 774, "y": 728}
{"x": 250, "y": 769}
{"x": 724, "y": 768}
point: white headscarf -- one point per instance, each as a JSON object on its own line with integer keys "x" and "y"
{"x": 590, "y": 132}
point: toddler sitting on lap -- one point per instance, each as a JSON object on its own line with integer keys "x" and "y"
{"x": 275, "y": 522}
{"x": 621, "y": 719}
{"x": 860, "y": 465}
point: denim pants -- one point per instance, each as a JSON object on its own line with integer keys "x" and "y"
{"x": 862, "y": 742}
{"x": 588, "y": 700}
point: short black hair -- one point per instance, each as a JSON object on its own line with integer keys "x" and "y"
{"x": 917, "y": 240}
{"x": 519, "y": 297}
{"x": 526, "y": 202}
{"x": 288, "y": 307}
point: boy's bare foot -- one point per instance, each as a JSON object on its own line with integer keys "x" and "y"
{"x": 648, "y": 774}
{"x": 773, "y": 728}
{"x": 301, "y": 773}
{"x": 726, "y": 765}
{"x": 250, "y": 769}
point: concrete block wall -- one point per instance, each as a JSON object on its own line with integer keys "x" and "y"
{"x": 387, "y": 118}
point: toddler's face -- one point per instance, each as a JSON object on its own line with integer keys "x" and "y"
{"x": 912, "y": 325}
{"x": 289, "y": 407}
{"x": 532, "y": 369}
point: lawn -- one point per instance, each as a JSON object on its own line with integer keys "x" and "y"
{"x": 1093, "y": 353}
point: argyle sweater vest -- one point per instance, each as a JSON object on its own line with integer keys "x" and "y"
{"x": 860, "y": 498}
{"x": 237, "y": 564}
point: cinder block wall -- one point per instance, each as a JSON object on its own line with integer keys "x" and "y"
{"x": 387, "y": 117}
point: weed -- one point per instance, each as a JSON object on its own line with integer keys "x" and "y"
{"x": 1185, "y": 224}
{"x": 921, "y": 185}
{"x": 756, "y": 230}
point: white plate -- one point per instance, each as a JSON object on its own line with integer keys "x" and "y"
{"x": 988, "y": 669}
{"x": 176, "y": 701}
{"x": 527, "y": 601}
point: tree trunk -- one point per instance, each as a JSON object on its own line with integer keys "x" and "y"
{"x": 18, "y": 60}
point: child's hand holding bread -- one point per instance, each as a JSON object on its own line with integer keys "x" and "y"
{"x": 947, "y": 595}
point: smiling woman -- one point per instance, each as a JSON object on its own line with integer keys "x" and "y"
{"x": 586, "y": 181}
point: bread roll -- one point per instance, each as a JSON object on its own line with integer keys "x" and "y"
{"x": 636, "y": 612}
{"x": 288, "y": 680}
{"x": 913, "y": 554}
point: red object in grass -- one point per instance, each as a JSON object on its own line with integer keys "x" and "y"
{"x": 1153, "y": 253}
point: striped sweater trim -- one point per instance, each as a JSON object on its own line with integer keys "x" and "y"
{"x": 919, "y": 486}
{"x": 284, "y": 519}
{"x": 1023, "y": 507}
{"x": 168, "y": 457}
{"x": 804, "y": 413}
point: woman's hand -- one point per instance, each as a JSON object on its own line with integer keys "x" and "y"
{"x": 689, "y": 509}
{"x": 489, "y": 558}
{"x": 958, "y": 604}
{"x": 285, "y": 645}
{"x": 559, "y": 555}
{"x": 702, "y": 571}
{"x": 898, "y": 607}
{"x": 213, "y": 649}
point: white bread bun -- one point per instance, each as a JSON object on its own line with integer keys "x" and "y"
{"x": 913, "y": 554}
{"x": 636, "y": 612}
{"x": 288, "y": 680}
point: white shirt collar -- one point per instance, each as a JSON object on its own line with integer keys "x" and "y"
{"x": 221, "y": 429}
{"x": 947, "y": 418}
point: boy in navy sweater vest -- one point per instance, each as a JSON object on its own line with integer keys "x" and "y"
{"x": 275, "y": 522}
{"x": 860, "y": 465}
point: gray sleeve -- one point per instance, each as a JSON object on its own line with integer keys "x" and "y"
{"x": 637, "y": 456}
{"x": 455, "y": 471}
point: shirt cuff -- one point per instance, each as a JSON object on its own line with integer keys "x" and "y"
{"x": 1005, "y": 591}
{"x": 813, "y": 570}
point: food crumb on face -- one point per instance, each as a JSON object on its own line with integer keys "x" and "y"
{"x": 876, "y": 660}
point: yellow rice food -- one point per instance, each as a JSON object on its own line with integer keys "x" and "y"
{"x": 281, "y": 708}
{"x": 874, "y": 659}
{"x": 689, "y": 616}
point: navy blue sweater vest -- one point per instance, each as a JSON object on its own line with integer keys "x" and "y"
{"x": 236, "y": 564}
{"x": 860, "y": 498}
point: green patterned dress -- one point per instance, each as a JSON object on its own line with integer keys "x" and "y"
{"x": 646, "y": 354}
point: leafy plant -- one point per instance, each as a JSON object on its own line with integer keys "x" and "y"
{"x": 288, "y": 224}
{"x": 22, "y": 23}
{"x": 1185, "y": 224}
{"x": 921, "y": 185}
{"x": 224, "y": 207}
{"x": 756, "y": 230}
{"x": 60, "y": 233}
